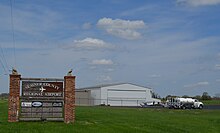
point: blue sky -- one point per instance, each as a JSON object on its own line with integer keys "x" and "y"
{"x": 172, "y": 46}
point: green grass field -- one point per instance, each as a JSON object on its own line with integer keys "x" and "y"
{"x": 211, "y": 102}
{"x": 121, "y": 120}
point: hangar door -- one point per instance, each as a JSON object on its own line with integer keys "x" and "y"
{"x": 118, "y": 97}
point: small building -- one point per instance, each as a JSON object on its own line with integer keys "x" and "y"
{"x": 82, "y": 97}
{"x": 123, "y": 94}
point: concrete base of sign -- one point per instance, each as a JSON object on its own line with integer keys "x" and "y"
{"x": 40, "y": 119}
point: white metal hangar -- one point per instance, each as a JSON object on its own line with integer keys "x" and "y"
{"x": 123, "y": 94}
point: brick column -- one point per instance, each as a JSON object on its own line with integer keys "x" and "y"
{"x": 14, "y": 98}
{"x": 69, "y": 99}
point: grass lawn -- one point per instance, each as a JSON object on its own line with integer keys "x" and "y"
{"x": 211, "y": 102}
{"x": 121, "y": 120}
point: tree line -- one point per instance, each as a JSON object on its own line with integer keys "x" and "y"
{"x": 204, "y": 96}
{"x": 4, "y": 95}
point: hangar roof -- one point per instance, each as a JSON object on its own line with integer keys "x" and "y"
{"x": 106, "y": 85}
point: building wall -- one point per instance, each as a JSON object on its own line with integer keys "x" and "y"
{"x": 83, "y": 98}
{"x": 96, "y": 96}
{"x": 148, "y": 95}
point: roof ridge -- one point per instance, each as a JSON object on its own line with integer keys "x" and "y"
{"x": 106, "y": 85}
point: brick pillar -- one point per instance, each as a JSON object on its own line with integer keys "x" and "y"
{"x": 14, "y": 98}
{"x": 69, "y": 99}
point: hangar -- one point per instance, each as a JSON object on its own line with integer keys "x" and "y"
{"x": 122, "y": 94}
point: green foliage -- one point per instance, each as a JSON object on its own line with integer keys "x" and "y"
{"x": 121, "y": 120}
{"x": 155, "y": 95}
{"x": 185, "y": 96}
{"x": 205, "y": 96}
{"x": 197, "y": 97}
{"x": 4, "y": 96}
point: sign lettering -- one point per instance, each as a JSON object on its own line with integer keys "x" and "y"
{"x": 42, "y": 89}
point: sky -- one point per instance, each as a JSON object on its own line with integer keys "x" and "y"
{"x": 171, "y": 46}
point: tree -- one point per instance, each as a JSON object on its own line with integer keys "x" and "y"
{"x": 170, "y": 96}
{"x": 205, "y": 96}
{"x": 155, "y": 95}
{"x": 197, "y": 97}
{"x": 4, "y": 95}
{"x": 185, "y": 96}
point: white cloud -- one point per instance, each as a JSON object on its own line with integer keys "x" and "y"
{"x": 217, "y": 80}
{"x": 199, "y": 2}
{"x": 203, "y": 83}
{"x": 197, "y": 85}
{"x": 110, "y": 69}
{"x": 89, "y": 44}
{"x": 102, "y": 62}
{"x": 155, "y": 76}
{"x": 217, "y": 66}
{"x": 104, "y": 79}
{"x": 121, "y": 24}
{"x": 126, "y": 34}
{"x": 122, "y": 28}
